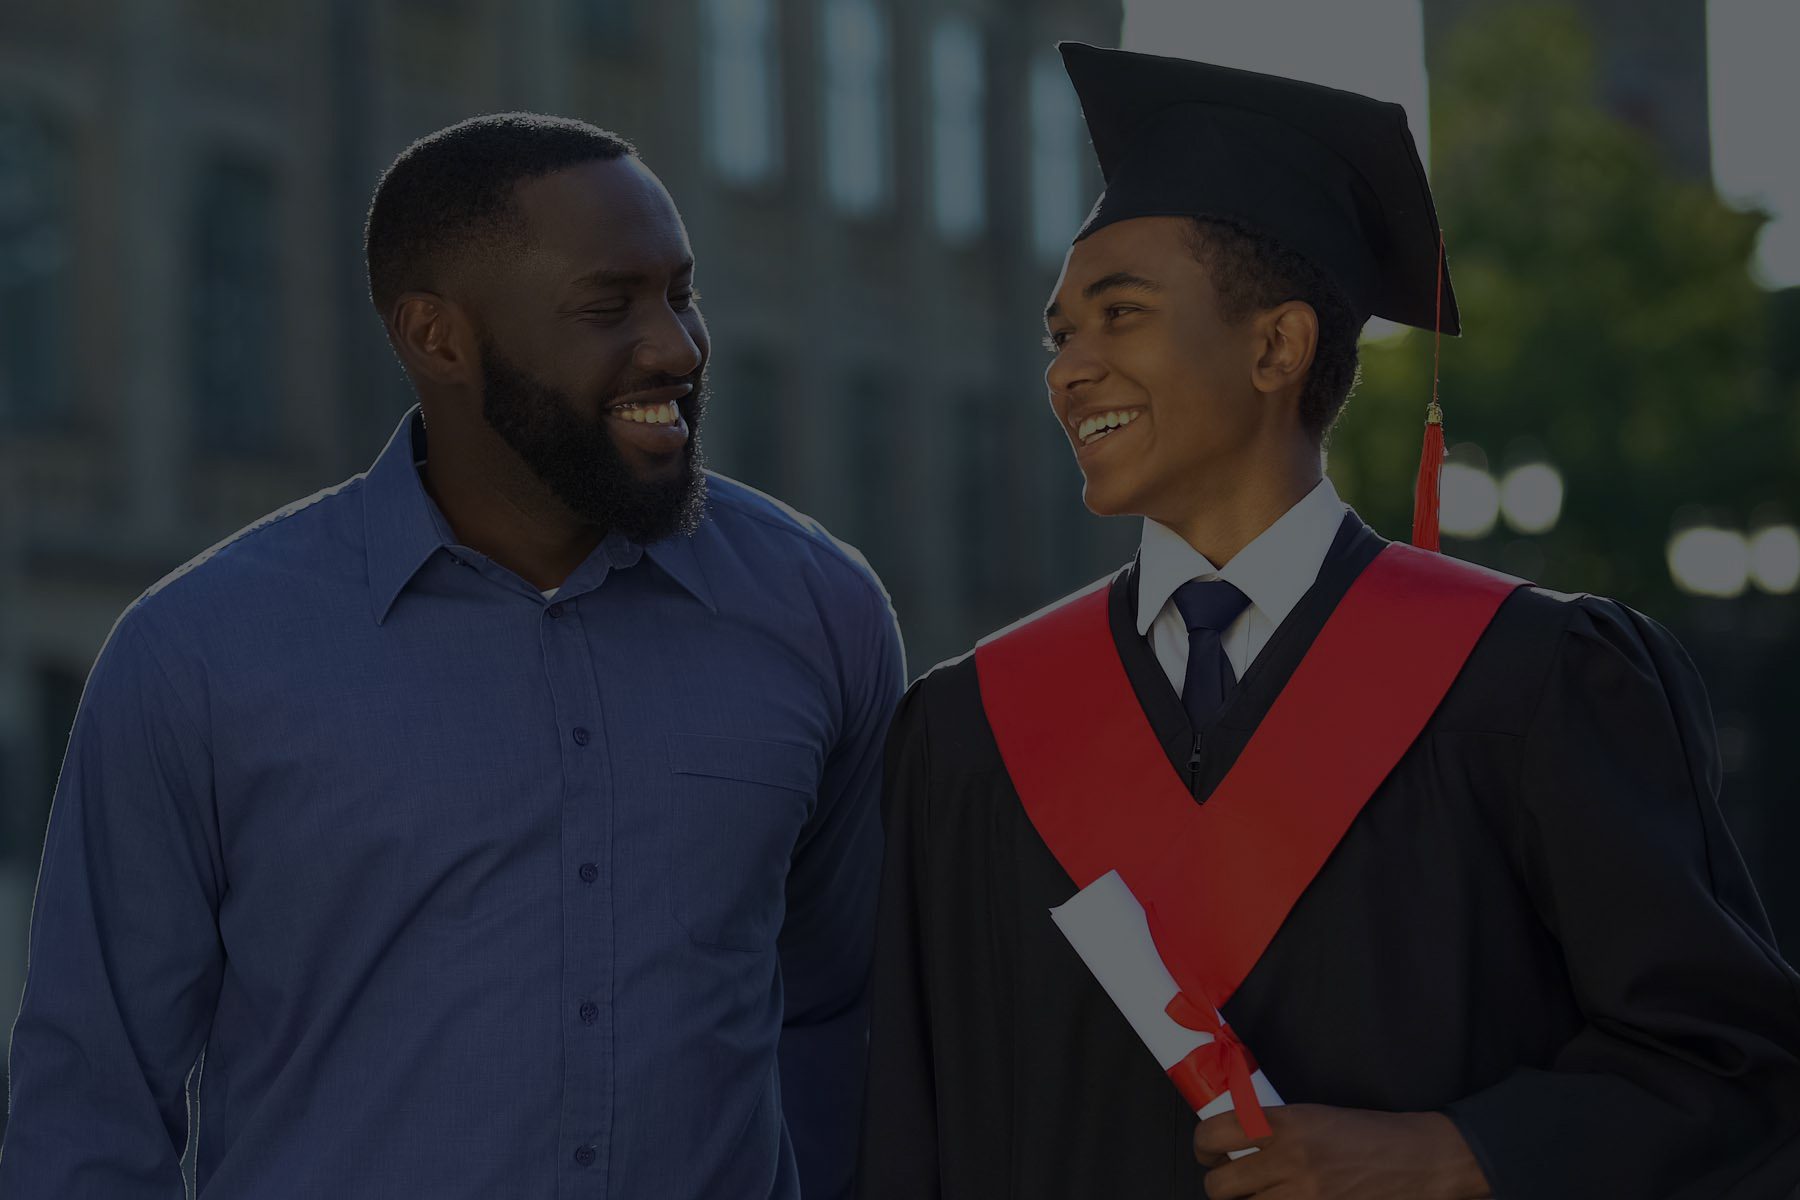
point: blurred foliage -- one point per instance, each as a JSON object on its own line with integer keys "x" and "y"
{"x": 1610, "y": 326}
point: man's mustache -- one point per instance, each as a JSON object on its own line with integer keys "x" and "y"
{"x": 647, "y": 383}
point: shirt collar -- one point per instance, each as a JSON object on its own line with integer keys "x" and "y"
{"x": 403, "y": 526}
{"x": 1274, "y": 570}
{"x": 679, "y": 557}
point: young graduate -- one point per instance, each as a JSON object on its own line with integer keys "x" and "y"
{"x": 1521, "y": 957}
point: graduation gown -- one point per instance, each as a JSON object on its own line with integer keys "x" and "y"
{"x": 1537, "y": 924}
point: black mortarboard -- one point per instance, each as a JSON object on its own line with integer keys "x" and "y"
{"x": 1331, "y": 175}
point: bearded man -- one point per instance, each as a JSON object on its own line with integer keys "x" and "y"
{"x": 503, "y": 820}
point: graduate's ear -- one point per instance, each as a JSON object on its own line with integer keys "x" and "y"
{"x": 1284, "y": 340}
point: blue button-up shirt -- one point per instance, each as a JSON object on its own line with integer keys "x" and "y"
{"x": 464, "y": 890}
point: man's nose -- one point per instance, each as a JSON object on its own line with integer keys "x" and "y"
{"x": 667, "y": 347}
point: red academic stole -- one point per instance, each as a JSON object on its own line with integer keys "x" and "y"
{"x": 1216, "y": 881}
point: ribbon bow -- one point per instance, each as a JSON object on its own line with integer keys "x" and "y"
{"x": 1221, "y": 1065}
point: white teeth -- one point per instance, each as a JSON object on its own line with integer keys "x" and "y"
{"x": 1094, "y": 427}
{"x": 656, "y": 414}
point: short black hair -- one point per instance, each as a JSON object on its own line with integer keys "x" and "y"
{"x": 451, "y": 193}
{"x": 1252, "y": 272}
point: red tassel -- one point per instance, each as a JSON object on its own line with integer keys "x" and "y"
{"x": 1431, "y": 467}
{"x": 1431, "y": 459}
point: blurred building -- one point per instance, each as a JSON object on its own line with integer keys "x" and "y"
{"x": 879, "y": 195}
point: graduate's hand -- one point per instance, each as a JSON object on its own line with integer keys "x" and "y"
{"x": 1321, "y": 1153}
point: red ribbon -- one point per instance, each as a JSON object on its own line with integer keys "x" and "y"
{"x": 1221, "y": 1065}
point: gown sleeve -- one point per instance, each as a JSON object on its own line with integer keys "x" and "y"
{"x": 898, "y": 1148}
{"x": 1685, "y": 1079}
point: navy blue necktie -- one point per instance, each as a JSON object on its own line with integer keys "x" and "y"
{"x": 1208, "y": 607}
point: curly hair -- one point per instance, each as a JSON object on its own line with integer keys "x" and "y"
{"x": 1252, "y": 272}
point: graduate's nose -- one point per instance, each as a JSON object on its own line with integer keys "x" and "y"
{"x": 1070, "y": 371}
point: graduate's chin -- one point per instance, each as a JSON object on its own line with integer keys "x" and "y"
{"x": 1105, "y": 497}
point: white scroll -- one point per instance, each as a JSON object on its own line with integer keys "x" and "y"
{"x": 1107, "y": 927}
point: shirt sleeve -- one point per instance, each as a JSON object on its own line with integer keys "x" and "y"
{"x": 899, "y": 1146}
{"x": 827, "y": 938}
{"x": 1685, "y": 1080}
{"x": 124, "y": 955}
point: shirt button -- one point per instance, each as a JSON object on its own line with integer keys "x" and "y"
{"x": 590, "y": 1012}
{"x": 555, "y": 610}
{"x": 589, "y": 872}
{"x": 581, "y": 736}
{"x": 585, "y": 1156}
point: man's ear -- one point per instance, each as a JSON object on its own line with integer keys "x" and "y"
{"x": 1287, "y": 337}
{"x": 434, "y": 338}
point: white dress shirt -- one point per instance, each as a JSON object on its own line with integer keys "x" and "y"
{"x": 1274, "y": 570}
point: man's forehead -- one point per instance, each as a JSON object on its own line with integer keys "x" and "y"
{"x": 628, "y": 272}
{"x": 618, "y": 184}
{"x": 604, "y": 215}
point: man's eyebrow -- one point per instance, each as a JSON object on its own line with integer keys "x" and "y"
{"x": 595, "y": 280}
{"x": 605, "y": 277}
{"x": 1118, "y": 279}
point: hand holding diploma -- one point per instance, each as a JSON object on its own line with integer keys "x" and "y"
{"x": 1107, "y": 927}
{"x": 1343, "y": 1153}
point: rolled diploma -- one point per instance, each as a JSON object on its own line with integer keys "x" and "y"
{"x": 1106, "y": 925}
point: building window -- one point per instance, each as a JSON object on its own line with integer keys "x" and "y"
{"x": 858, "y": 174}
{"x": 980, "y": 506}
{"x": 1057, "y": 203}
{"x": 607, "y": 26}
{"x": 35, "y": 251}
{"x": 747, "y": 414}
{"x": 56, "y": 692}
{"x": 869, "y": 408}
{"x": 741, "y": 68}
{"x": 234, "y": 312}
{"x": 958, "y": 127}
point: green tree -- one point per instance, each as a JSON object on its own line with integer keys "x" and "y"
{"x": 1610, "y": 323}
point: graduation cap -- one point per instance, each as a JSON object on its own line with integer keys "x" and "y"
{"x": 1331, "y": 175}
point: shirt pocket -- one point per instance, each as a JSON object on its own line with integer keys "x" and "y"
{"x": 737, "y": 808}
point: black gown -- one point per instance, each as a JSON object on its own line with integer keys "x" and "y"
{"x": 1538, "y": 924}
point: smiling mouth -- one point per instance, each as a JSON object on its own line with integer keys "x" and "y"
{"x": 668, "y": 413}
{"x": 651, "y": 423}
{"x": 1100, "y": 426}
{"x": 652, "y": 409}
{"x": 652, "y": 397}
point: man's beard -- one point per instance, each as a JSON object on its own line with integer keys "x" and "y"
{"x": 576, "y": 459}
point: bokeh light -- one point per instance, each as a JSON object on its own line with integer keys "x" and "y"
{"x": 1531, "y": 497}
{"x": 1468, "y": 501}
{"x": 1708, "y": 561}
{"x": 1775, "y": 559}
